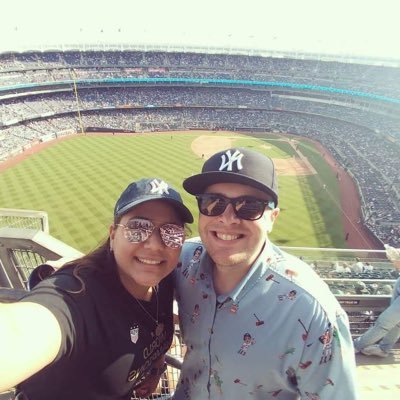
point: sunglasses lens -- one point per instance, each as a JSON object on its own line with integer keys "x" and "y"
{"x": 172, "y": 235}
{"x": 211, "y": 204}
{"x": 135, "y": 235}
{"x": 138, "y": 230}
{"x": 249, "y": 208}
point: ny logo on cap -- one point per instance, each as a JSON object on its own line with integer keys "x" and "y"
{"x": 228, "y": 159}
{"x": 159, "y": 187}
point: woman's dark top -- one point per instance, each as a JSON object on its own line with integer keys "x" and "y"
{"x": 108, "y": 342}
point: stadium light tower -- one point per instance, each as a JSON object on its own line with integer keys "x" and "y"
{"x": 74, "y": 77}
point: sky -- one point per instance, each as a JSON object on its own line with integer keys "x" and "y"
{"x": 366, "y": 28}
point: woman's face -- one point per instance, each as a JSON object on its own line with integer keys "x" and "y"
{"x": 143, "y": 265}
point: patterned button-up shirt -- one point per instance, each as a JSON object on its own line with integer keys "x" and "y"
{"x": 280, "y": 334}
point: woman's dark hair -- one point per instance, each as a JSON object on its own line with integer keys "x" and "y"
{"x": 101, "y": 258}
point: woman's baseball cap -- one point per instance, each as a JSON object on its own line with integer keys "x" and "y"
{"x": 236, "y": 165}
{"x": 151, "y": 189}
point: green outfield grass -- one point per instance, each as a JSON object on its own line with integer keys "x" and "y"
{"x": 77, "y": 182}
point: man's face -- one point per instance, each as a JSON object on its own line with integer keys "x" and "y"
{"x": 230, "y": 241}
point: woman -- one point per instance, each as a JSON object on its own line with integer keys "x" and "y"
{"x": 99, "y": 327}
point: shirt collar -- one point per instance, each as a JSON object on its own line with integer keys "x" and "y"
{"x": 257, "y": 272}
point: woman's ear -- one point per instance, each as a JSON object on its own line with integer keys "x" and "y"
{"x": 112, "y": 232}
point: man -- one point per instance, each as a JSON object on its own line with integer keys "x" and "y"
{"x": 258, "y": 323}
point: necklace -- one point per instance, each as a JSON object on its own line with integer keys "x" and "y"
{"x": 159, "y": 326}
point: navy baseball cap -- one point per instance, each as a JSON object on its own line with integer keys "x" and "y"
{"x": 236, "y": 165}
{"x": 151, "y": 189}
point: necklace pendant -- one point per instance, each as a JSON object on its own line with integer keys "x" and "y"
{"x": 159, "y": 328}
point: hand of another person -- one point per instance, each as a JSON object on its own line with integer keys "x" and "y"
{"x": 148, "y": 386}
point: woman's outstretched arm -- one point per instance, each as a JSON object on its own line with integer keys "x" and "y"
{"x": 30, "y": 338}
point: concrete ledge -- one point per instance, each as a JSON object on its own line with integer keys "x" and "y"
{"x": 378, "y": 378}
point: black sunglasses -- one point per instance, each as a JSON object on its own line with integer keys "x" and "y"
{"x": 245, "y": 207}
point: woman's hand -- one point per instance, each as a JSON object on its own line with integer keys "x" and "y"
{"x": 148, "y": 386}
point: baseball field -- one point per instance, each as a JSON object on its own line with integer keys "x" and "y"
{"x": 78, "y": 180}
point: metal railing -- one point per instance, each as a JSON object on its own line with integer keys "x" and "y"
{"x": 24, "y": 219}
{"x": 22, "y": 250}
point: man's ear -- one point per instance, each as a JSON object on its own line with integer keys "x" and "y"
{"x": 275, "y": 214}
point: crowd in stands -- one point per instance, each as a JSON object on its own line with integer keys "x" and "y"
{"x": 36, "y": 105}
{"x": 355, "y": 132}
{"x": 53, "y": 66}
{"x": 357, "y": 277}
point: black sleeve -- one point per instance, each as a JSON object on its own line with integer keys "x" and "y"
{"x": 55, "y": 293}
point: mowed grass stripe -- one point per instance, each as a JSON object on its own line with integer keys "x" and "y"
{"x": 295, "y": 223}
{"x": 78, "y": 181}
{"x": 328, "y": 197}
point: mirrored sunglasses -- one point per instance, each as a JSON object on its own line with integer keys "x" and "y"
{"x": 138, "y": 230}
{"x": 245, "y": 207}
